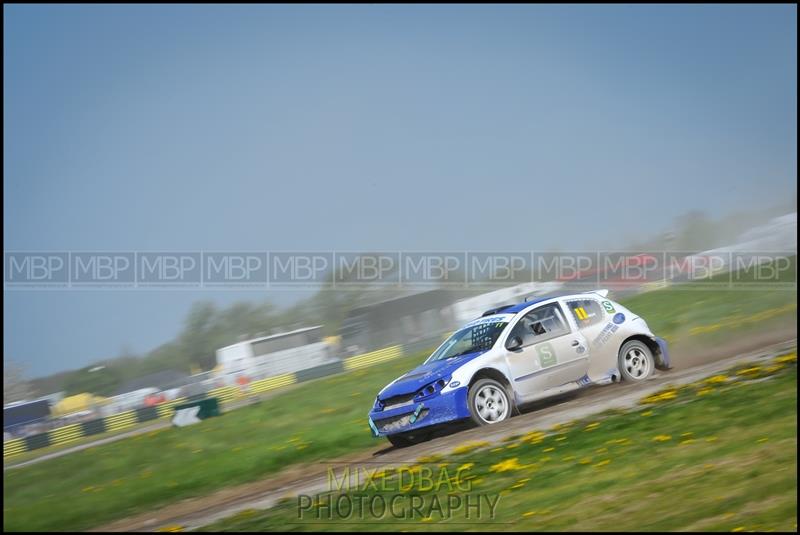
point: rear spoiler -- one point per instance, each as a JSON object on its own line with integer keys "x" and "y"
{"x": 602, "y": 292}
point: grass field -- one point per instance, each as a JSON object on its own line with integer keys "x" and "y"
{"x": 319, "y": 420}
{"x": 716, "y": 455}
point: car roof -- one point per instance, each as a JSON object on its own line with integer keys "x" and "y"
{"x": 519, "y": 307}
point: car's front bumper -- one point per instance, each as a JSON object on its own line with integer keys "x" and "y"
{"x": 437, "y": 409}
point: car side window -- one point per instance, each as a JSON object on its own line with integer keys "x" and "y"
{"x": 587, "y": 312}
{"x": 541, "y": 324}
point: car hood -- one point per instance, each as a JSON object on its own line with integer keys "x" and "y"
{"x": 425, "y": 374}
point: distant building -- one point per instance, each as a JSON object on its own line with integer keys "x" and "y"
{"x": 162, "y": 380}
{"x": 274, "y": 355}
{"x": 400, "y": 320}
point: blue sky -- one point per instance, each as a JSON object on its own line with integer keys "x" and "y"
{"x": 370, "y": 127}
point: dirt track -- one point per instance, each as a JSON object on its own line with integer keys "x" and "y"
{"x": 310, "y": 478}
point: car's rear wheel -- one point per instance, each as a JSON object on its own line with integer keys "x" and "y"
{"x": 489, "y": 402}
{"x": 636, "y": 362}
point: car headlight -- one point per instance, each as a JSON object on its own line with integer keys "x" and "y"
{"x": 431, "y": 389}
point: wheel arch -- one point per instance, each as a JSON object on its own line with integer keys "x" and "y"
{"x": 652, "y": 345}
{"x": 491, "y": 373}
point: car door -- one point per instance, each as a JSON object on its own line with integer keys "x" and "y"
{"x": 552, "y": 353}
{"x": 593, "y": 318}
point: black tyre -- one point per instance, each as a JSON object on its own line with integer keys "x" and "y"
{"x": 489, "y": 402}
{"x": 636, "y": 362}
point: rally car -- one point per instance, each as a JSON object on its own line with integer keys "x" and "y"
{"x": 517, "y": 354}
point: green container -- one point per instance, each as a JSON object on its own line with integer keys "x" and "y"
{"x": 208, "y": 407}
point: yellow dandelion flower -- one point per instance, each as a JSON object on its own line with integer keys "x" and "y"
{"x": 749, "y": 371}
{"x": 534, "y": 437}
{"x": 468, "y": 447}
{"x": 716, "y": 379}
{"x": 548, "y": 449}
{"x": 592, "y": 426}
{"x": 528, "y": 514}
{"x": 647, "y": 413}
{"x": 602, "y": 463}
{"x": 662, "y": 438}
{"x": 658, "y": 397}
{"x": 504, "y": 466}
{"x": 791, "y": 357}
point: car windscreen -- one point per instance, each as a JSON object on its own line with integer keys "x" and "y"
{"x": 479, "y": 336}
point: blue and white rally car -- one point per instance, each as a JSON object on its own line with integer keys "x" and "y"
{"x": 516, "y": 354}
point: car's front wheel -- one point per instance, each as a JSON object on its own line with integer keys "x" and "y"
{"x": 489, "y": 402}
{"x": 636, "y": 362}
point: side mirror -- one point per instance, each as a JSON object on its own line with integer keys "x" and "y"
{"x": 514, "y": 343}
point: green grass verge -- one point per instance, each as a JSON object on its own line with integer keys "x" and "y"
{"x": 716, "y": 455}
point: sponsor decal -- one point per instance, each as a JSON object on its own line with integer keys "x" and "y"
{"x": 547, "y": 355}
{"x": 619, "y": 318}
{"x": 608, "y": 306}
{"x": 501, "y": 318}
{"x": 186, "y": 417}
{"x": 604, "y": 335}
